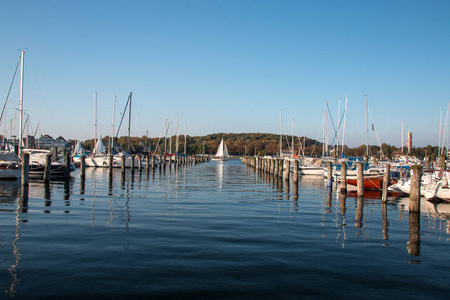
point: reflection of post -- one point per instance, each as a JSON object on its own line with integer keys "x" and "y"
{"x": 82, "y": 167}
{"x": 82, "y": 186}
{"x": 413, "y": 244}
{"x": 110, "y": 185}
{"x": 23, "y": 207}
{"x": 295, "y": 191}
{"x": 385, "y": 220}
{"x": 385, "y": 182}
{"x": 342, "y": 200}
{"x": 286, "y": 188}
{"x": 359, "y": 212}
{"x": 329, "y": 194}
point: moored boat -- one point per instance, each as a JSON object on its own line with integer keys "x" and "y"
{"x": 372, "y": 182}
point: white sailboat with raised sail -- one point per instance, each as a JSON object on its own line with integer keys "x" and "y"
{"x": 222, "y": 152}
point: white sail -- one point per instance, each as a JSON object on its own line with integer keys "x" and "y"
{"x": 99, "y": 147}
{"x": 220, "y": 150}
{"x": 225, "y": 150}
{"x": 77, "y": 149}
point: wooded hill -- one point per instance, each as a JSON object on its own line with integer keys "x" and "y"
{"x": 250, "y": 144}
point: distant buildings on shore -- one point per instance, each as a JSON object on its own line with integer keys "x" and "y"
{"x": 44, "y": 142}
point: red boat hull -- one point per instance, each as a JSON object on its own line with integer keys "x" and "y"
{"x": 372, "y": 182}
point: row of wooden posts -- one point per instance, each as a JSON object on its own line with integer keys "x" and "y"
{"x": 150, "y": 162}
{"x": 281, "y": 168}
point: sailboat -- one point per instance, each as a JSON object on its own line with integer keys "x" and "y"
{"x": 222, "y": 152}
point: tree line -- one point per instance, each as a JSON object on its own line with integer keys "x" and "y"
{"x": 248, "y": 144}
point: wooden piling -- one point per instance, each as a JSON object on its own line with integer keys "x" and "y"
{"x": 67, "y": 162}
{"x": 414, "y": 196}
{"x": 287, "y": 169}
{"x": 132, "y": 163}
{"x": 47, "y": 167}
{"x": 343, "y": 179}
{"x": 296, "y": 170}
{"x": 25, "y": 169}
{"x": 359, "y": 180}
{"x": 385, "y": 182}
{"x": 329, "y": 174}
{"x": 280, "y": 168}
{"x": 110, "y": 164}
{"x": 122, "y": 161}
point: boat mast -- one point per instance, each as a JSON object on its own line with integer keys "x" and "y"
{"x": 185, "y": 133}
{"x": 292, "y": 137}
{"x": 95, "y": 118}
{"x": 338, "y": 128}
{"x": 129, "y": 124}
{"x": 170, "y": 139}
{"x": 326, "y": 128}
{"x": 176, "y": 133}
{"x": 345, "y": 119}
{"x": 402, "y": 138}
{"x": 367, "y": 129}
{"x": 22, "y": 56}
{"x": 281, "y": 139}
{"x": 111, "y": 140}
{"x": 440, "y": 133}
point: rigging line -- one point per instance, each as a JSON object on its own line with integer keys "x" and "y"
{"x": 123, "y": 115}
{"x": 335, "y": 135}
{"x": 376, "y": 134}
{"x": 10, "y": 87}
{"x": 329, "y": 113}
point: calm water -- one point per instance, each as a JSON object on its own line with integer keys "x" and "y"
{"x": 215, "y": 230}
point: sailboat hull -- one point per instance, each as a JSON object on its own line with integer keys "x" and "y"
{"x": 220, "y": 158}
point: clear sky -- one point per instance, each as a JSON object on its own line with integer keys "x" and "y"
{"x": 230, "y": 65}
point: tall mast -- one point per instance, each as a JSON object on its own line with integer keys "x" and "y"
{"x": 22, "y": 56}
{"x": 129, "y": 124}
{"x": 95, "y": 118}
{"x": 281, "y": 139}
{"x": 402, "y": 138}
{"x": 292, "y": 137}
{"x": 367, "y": 129}
{"x": 170, "y": 140}
{"x": 440, "y": 132}
{"x": 326, "y": 128}
{"x": 176, "y": 139}
{"x": 111, "y": 140}
{"x": 338, "y": 127}
{"x": 185, "y": 133}
{"x": 323, "y": 134}
{"x": 345, "y": 119}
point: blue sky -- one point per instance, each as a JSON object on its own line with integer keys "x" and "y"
{"x": 230, "y": 66}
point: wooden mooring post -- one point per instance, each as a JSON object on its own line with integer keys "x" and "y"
{"x": 359, "y": 180}
{"x": 385, "y": 182}
{"x": 296, "y": 163}
{"x": 67, "y": 162}
{"x": 343, "y": 179}
{"x": 122, "y": 162}
{"x": 47, "y": 167}
{"x": 287, "y": 169}
{"x": 25, "y": 169}
{"x": 329, "y": 174}
{"x": 414, "y": 196}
